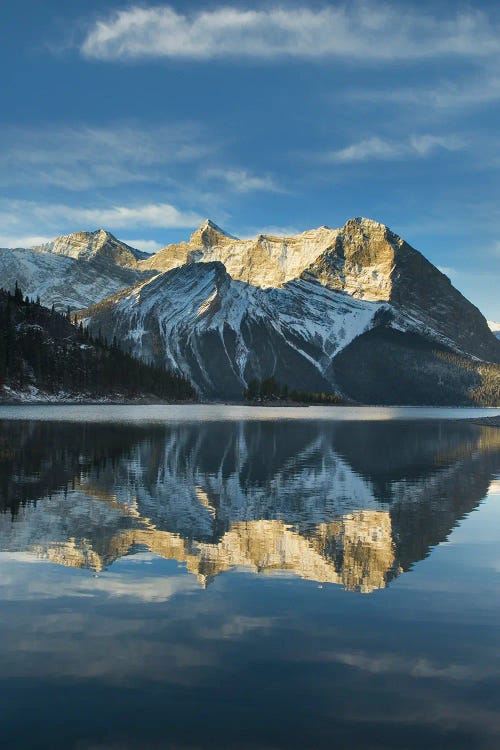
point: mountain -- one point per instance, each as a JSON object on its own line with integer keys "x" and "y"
{"x": 495, "y": 328}
{"x": 43, "y": 355}
{"x": 75, "y": 270}
{"x": 323, "y": 311}
{"x": 330, "y": 502}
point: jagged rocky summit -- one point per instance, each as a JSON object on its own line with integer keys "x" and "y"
{"x": 355, "y": 311}
{"x": 75, "y": 270}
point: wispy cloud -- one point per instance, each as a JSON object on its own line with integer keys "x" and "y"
{"x": 375, "y": 148}
{"x": 357, "y": 31}
{"x": 85, "y": 157}
{"x": 244, "y": 182}
{"x": 443, "y": 96}
{"x": 60, "y": 216}
{"x": 147, "y": 246}
{"x": 272, "y": 230}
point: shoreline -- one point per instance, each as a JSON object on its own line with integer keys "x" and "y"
{"x": 104, "y": 401}
{"x": 485, "y": 421}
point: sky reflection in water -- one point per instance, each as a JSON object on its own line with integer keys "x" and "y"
{"x": 170, "y": 585}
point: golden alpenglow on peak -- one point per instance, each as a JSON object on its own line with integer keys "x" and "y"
{"x": 268, "y": 260}
{"x": 263, "y": 261}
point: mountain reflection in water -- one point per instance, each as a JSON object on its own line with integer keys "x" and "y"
{"x": 350, "y": 503}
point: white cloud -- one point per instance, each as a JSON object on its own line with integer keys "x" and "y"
{"x": 85, "y": 157}
{"x": 161, "y": 215}
{"x": 23, "y": 240}
{"x": 158, "y": 215}
{"x": 375, "y": 148}
{"x": 147, "y": 246}
{"x": 243, "y": 181}
{"x": 132, "y": 585}
{"x": 358, "y": 31}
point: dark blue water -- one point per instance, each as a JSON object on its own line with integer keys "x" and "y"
{"x": 248, "y": 579}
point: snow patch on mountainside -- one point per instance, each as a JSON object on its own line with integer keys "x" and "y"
{"x": 494, "y": 327}
{"x": 72, "y": 275}
{"x": 81, "y": 245}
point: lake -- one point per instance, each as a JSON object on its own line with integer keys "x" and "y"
{"x": 249, "y": 578}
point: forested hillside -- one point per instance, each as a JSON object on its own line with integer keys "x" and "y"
{"x": 44, "y": 350}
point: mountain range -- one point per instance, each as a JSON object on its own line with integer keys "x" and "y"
{"x": 355, "y": 311}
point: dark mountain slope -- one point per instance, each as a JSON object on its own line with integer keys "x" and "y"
{"x": 370, "y": 262}
{"x": 385, "y": 366}
{"x": 41, "y": 350}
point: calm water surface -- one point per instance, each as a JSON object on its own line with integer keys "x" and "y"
{"x": 248, "y": 578}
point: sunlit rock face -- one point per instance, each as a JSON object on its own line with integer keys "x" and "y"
{"x": 353, "y": 504}
{"x": 264, "y": 261}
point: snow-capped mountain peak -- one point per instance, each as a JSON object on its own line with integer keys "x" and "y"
{"x": 209, "y": 234}
{"x": 366, "y": 223}
{"x": 84, "y": 245}
{"x": 76, "y": 270}
{"x": 209, "y": 224}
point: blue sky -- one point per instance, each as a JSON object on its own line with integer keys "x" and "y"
{"x": 146, "y": 118}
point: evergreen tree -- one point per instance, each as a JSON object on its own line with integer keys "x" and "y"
{"x": 18, "y": 295}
